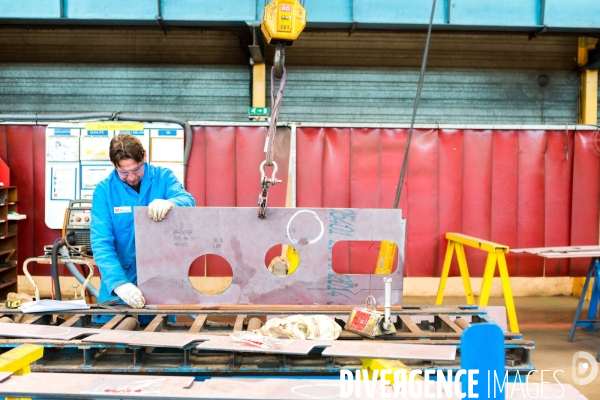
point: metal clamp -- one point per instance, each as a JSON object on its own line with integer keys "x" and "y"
{"x": 263, "y": 178}
{"x": 264, "y": 183}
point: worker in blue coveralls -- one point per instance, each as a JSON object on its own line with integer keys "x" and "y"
{"x": 133, "y": 183}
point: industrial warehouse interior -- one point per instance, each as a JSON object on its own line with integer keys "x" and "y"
{"x": 299, "y": 199}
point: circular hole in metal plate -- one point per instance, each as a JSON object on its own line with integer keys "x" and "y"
{"x": 210, "y": 274}
{"x": 282, "y": 260}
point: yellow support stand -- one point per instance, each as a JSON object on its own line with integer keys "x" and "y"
{"x": 19, "y": 359}
{"x": 456, "y": 243}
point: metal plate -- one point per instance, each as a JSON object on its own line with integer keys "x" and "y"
{"x": 239, "y": 236}
{"x": 146, "y": 339}
{"x": 74, "y": 386}
{"x": 343, "y": 348}
{"x": 561, "y": 252}
{"x": 291, "y": 347}
{"x": 387, "y": 350}
{"x": 43, "y": 331}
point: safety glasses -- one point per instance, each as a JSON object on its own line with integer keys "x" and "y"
{"x": 133, "y": 171}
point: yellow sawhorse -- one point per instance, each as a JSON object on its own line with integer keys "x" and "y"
{"x": 19, "y": 359}
{"x": 456, "y": 242}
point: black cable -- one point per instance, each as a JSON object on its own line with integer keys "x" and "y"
{"x": 54, "y": 267}
{"x": 414, "y": 114}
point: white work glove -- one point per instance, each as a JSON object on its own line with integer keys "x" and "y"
{"x": 131, "y": 295}
{"x": 158, "y": 209}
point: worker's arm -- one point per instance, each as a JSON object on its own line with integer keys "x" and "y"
{"x": 175, "y": 196}
{"x": 175, "y": 192}
{"x": 103, "y": 241}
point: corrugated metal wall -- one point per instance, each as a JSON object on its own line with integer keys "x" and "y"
{"x": 448, "y": 96}
{"x": 191, "y": 92}
{"x": 471, "y": 78}
{"x": 332, "y": 76}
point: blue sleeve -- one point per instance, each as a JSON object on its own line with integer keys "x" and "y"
{"x": 103, "y": 242}
{"x": 175, "y": 192}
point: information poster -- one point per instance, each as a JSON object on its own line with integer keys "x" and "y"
{"x": 95, "y": 147}
{"x": 93, "y": 174}
{"x": 62, "y": 148}
{"x": 63, "y": 181}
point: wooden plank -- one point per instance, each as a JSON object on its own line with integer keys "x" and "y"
{"x": 449, "y": 323}
{"x": 157, "y": 324}
{"x": 410, "y": 324}
{"x": 239, "y": 323}
{"x": 198, "y": 323}
{"x": 75, "y": 320}
{"x": 116, "y": 320}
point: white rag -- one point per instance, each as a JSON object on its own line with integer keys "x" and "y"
{"x": 315, "y": 327}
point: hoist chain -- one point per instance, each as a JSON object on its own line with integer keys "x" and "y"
{"x": 275, "y": 105}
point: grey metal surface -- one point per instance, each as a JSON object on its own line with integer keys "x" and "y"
{"x": 465, "y": 96}
{"x": 187, "y": 91}
{"x": 291, "y": 347}
{"x": 243, "y": 240}
{"x": 43, "y": 331}
{"x": 392, "y": 351}
{"x": 78, "y": 386}
{"x": 561, "y": 252}
{"x": 146, "y": 339}
{"x": 342, "y": 348}
{"x": 332, "y": 77}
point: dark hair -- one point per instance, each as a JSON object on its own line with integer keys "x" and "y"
{"x": 124, "y": 147}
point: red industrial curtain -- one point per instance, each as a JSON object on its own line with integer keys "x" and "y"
{"x": 522, "y": 188}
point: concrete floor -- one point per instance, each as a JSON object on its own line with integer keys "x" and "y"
{"x": 546, "y": 321}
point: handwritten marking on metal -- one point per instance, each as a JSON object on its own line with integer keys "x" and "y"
{"x": 43, "y": 331}
{"x": 166, "y": 249}
{"x": 312, "y": 241}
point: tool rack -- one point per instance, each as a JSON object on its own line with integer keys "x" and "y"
{"x": 78, "y": 356}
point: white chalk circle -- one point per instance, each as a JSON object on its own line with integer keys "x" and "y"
{"x": 315, "y": 240}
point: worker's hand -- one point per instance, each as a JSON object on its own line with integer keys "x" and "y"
{"x": 158, "y": 209}
{"x": 131, "y": 295}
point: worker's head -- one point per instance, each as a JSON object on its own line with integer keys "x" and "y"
{"x": 128, "y": 156}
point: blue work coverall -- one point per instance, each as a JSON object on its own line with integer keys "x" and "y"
{"x": 112, "y": 230}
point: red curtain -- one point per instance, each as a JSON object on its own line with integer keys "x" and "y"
{"x": 522, "y": 188}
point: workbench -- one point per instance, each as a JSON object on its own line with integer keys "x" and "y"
{"x": 592, "y": 252}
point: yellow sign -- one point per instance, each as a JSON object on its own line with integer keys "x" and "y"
{"x": 114, "y": 126}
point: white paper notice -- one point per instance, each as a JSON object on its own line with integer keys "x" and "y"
{"x": 166, "y": 150}
{"x": 92, "y": 175}
{"x": 63, "y": 183}
{"x": 62, "y": 148}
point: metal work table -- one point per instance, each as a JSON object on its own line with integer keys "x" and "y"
{"x": 138, "y": 352}
{"x": 593, "y": 252}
